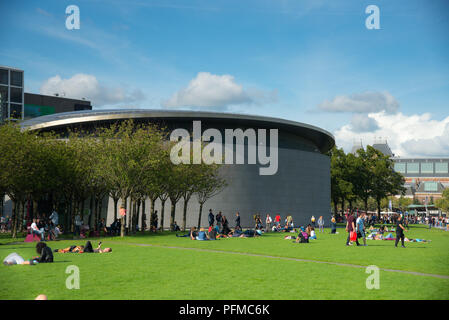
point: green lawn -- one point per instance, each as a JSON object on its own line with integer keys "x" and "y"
{"x": 133, "y": 271}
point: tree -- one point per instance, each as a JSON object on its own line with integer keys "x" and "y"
{"x": 443, "y": 202}
{"x": 209, "y": 184}
{"x": 385, "y": 181}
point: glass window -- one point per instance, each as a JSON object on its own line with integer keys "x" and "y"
{"x": 3, "y": 93}
{"x": 412, "y": 167}
{"x": 427, "y": 167}
{"x": 430, "y": 186}
{"x": 16, "y": 95}
{"x": 16, "y": 78}
{"x": 15, "y": 111}
{"x": 399, "y": 167}
{"x": 441, "y": 167}
{"x": 4, "y": 76}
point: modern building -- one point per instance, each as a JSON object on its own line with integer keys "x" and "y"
{"x": 425, "y": 178}
{"x": 15, "y": 104}
{"x": 11, "y": 94}
{"x": 37, "y": 105}
{"x": 300, "y": 187}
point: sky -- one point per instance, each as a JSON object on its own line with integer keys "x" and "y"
{"x": 311, "y": 61}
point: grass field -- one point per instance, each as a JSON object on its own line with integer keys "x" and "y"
{"x": 162, "y": 266}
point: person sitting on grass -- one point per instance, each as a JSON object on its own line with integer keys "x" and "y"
{"x": 312, "y": 233}
{"x": 212, "y": 234}
{"x": 201, "y": 235}
{"x": 46, "y": 256}
{"x": 303, "y": 237}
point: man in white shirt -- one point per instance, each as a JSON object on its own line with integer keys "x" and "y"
{"x": 268, "y": 222}
{"x": 35, "y": 230}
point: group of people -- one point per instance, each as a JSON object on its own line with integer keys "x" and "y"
{"x": 213, "y": 233}
{"x": 222, "y": 222}
{"x": 46, "y": 254}
{"x": 356, "y": 228}
{"x": 46, "y": 226}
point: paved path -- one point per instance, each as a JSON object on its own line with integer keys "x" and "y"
{"x": 283, "y": 258}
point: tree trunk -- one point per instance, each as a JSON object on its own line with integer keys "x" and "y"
{"x": 122, "y": 220}
{"x": 115, "y": 208}
{"x": 199, "y": 215}
{"x": 378, "y": 207}
{"x": 96, "y": 214}
{"x": 91, "y": 208}
{"x": 2, "y": 204}
{"x": 162, "y": 214}
{"x": 172, "y": 214}
{"x": 35, "y": 209}
{"x": 14, "y": 218}
{"x": 100, "y": 209}
{"x": 72, "y": 215}
{"x": 184, "y": 214}
{"x": 142, "y": 221}
{"x": 23, "y": 216}
{"x": 365, "y": 201}
{"x": 138, "y": 212}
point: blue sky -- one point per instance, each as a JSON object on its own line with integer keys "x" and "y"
{"x": 309, "y": 61}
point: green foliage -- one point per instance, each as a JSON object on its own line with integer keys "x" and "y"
{"x": 367, "y": 177}
{"x": 125, "y": 160}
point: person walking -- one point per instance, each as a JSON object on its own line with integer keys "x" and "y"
{"x": 313, "y": 221}
{"x": 321, "y": 224}
{"x": 268, "y": 221}
{"x": 399, "y": 232}
{"x": 237, "y": 222}
{"x": 360, "y": 223}
{"x": 350, "y": 227}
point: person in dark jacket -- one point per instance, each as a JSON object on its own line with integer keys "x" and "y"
{"x": 45, "y": 253}
{"x": 237, "y": 222}
{"x": 211, "y": 218}
{"x": 400, "y": 231}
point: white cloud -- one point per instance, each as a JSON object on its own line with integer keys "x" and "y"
{"x": 366, "y": 102}
{"x": 87, "y": 86}
{"x": 210, "y": 90}
{"x": 416, "y": 135}
{"x": 363, "y": 123}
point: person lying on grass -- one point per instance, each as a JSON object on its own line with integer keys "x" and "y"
{"x": 192, "y": 234}
{"x": 46, "y": 256}
{"x": 84, "y": 249}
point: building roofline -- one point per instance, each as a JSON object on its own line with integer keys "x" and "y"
{"x": 323, "y": 139}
